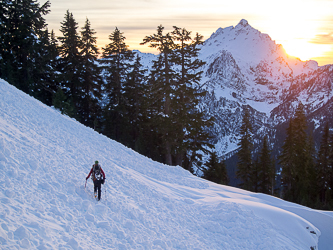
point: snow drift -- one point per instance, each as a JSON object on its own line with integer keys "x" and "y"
{"x": 45, "y": 157}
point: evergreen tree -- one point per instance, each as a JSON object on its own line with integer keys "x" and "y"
{"x": 296, "y": 160}
{"x": 288, "y": 165}
{"x": 164, "y": 77}
{"x": 45, "y": 83}
{"x": 53, "y": 53}
{"x": 311, "y": 182}
{"x": 135, "y": 99}
{"x": 190, "y": 122}
{"x": 91, "y": 77}
{"x": 70, "y": 63}
{"x": 266, "y": 169}
{"x": 255, "y": 175}
{"x": 329, "y": 194}
{"x": 22, "y": 32}
{"x": 175, "y": 95}
{"x": 116, "y": 61}
{"x": 155, "y": 120}
{"x": 245, "y": 164}
{"x": 53, "y": 49}
{"x": 61, "y": 102}
{"x": 303, "y": 159}
{"x": 323, "y": 166}
{"x": 215, "y": 170}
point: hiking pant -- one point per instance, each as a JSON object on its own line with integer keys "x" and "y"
{"x": 97, "y": 187}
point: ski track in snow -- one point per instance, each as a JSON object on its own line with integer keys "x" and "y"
{"x": 45, "y": 157}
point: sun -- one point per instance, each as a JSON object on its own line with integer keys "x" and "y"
{"x": 304, "y": 50}
{"x": 296, "y": 24}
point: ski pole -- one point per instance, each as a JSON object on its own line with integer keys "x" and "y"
{"x": 105, "y": 193}
{"x": 85, "y": 184}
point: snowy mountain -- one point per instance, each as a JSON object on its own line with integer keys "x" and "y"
{"x": 244, "y": 67}
{"x": 248, "y": 66}
{"x": 45, "y": 157}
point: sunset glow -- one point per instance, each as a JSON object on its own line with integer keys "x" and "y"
{"x": 305, "y": 50}
{"x": 303, "y": 27}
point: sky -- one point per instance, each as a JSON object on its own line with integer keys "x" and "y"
{"x": 303, "y": 27}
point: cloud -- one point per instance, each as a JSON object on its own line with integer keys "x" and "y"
{"x": 326, "y": 58}
{"x": 323, "y": 39}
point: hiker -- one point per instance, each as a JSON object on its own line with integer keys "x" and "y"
{"x": 98, "y": 177}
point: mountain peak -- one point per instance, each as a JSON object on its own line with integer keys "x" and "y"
{"x": 242, "y": 27}
{"x": 243, "y": 41}
{"x": 243, "y": 23}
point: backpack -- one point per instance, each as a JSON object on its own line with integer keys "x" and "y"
{"x": 97, "y": 173}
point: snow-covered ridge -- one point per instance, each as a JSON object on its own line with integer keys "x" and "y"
{"x": 45, "y": 157}
{"x": 250, "y": 47}
{"x": 258, "y": 69}
{"x": 246, "y": 68}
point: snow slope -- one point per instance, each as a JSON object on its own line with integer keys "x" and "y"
{"x": 45, "y": 157}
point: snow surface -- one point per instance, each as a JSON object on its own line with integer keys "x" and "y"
{"x": 45, "y": 157}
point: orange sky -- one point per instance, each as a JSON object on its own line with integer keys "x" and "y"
{"x": 303, "y": 27}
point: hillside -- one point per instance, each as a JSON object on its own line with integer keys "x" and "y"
{"x": 45, "y": 157}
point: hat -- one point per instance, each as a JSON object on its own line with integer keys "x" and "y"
{"x": 96, "y": 162}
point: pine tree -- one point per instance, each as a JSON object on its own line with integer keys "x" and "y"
{"x": 190, "y": 122}
{"x": 164, "y": 77}
{"x": 311, "y": 182}
{"x": 245, "y": 164}
{"x": 116, "y": 61}
{"x": 155, "y": 120}
{"x": 22, "y": 28}
{"x": 303, "y": 159}
{"x": 266, "y": 169}
{"x": 91, "y": 77}
{"x": 296, "y": 160}
{"x": 255, "y": 175}
{"x": 176, "y": 94}
{"x": 53, "y": 83}
{"x": 330, "y": 174}
{"x": 45, "y": 77}
{"x": 288, "y": 165}
{"x": 135, "y": 100}
{"x": 70, "y": 64}
{"x": 59, "y": 102}
{"x": 323, "y": 165}
{"x": 215, "y": 170}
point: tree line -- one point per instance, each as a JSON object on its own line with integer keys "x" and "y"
{"x": 156, "y": 112}
{"x": 306, "y": 174}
